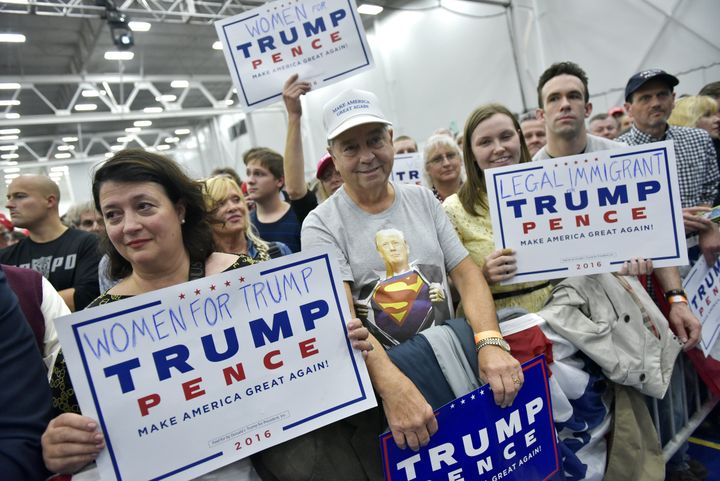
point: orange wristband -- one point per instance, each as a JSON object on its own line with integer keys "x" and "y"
{"x": 482, "y": 335}
{"x": 677, "y": 298}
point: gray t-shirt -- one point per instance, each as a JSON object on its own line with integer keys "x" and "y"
{"x": 405, "y": 301}
{"x": 594, "y": 144}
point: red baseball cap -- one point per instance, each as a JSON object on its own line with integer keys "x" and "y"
{"x": 323, "y": 164}
{"x": 616, "y": 110}
{"x": 5, "y": 222}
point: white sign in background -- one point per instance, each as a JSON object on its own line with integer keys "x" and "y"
{"x": 589, "y": 213}
{"x": 702, "y": 285}
{"x": 323, "y": 41}
{"x": 408, "y": 169}
{"x": 195, "y": 376}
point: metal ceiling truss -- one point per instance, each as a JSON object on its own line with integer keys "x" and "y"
{"x": 88, "y": 147}
{"x": 118, "y": 105}
{"x": 169, "y": 11}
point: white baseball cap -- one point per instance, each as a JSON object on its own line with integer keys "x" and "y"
{"x": 350, "y": 109}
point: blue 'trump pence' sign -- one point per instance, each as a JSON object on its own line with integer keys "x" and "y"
{"x": 478, "y": 440}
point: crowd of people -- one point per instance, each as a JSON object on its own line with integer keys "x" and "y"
{"x": 411, "y": 259}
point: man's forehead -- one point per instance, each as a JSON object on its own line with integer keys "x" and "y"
{"x": 654, "y": 85}
{"x": 532, "y": 124}
{"x": 563, "y": 83}
{"x": 362, "y": 130}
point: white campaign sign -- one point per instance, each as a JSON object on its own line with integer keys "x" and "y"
{"x": 702, "y": 285}
{"x": 190, "y": 378}
{"x": 321, "y": 40}
{"x": 589, "y": 213}
{"x": 408, "y": 168}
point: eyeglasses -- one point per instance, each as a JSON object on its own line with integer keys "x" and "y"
{"x": 436, "y": 159}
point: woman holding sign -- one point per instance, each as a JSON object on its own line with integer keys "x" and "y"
{"x": 492, "y": 138}
{"x": 158, "y": 235}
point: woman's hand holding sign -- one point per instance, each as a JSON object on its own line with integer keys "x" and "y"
{"x": 70, "y": 442}
{"x": 500, "y": 265}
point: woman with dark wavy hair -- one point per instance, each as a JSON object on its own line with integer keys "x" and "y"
{"x": 159, "y": 235}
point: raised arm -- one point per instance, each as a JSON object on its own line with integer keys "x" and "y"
{"x": 294, "y": 163}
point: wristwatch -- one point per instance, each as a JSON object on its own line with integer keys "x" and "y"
{"x": 493, "y": 341}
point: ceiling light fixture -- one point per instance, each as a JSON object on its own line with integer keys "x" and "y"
{"x": 63, "y": 155}
{"x": 11, "y": 170}
{"x": 69, "y": 139}
{"x": 12, "y": 116}
{"x": 217, "y": 45}
{"x": 9, "y": 86}
{"x": 179, "y": 84}
{"x": 8, "y": 148}
{"x": 9, "y": 103}
{"x": 85, "y": 107}
{"x": 124, "y": 140}
{"x": 91, "y": 93}
{"x": 116, "y": 55}
{"x": 9, "y": 156}
{"x": 139, "y": 26}
{"x": 65, "y": 148}
{"x": 16, "y": 2}
{"x": 172, "y": 140}
{"x": 58, "y": 170}
{"x": 166, "y": 98}
{"x": 152, "y": 110}
{"x": 163, "y": 147}
{"x": 142, "y": 123}
{"x": 9, "y": 131}
{"x": 8, "y": 137}
{"x": 182, "y": 131}
{"x": 368, "y": 9}
{"x": 12, "y": 37}
{"x": 116, "y": 148}
{"x": 133, "y": 130}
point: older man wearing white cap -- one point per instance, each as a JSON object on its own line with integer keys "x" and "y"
{"x": 399, "y": 304}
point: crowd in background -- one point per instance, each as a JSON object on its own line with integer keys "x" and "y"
{"x": 149, "y": 226}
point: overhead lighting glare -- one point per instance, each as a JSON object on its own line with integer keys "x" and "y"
{"x": 16, "y": 2}
{"x": 8, "y": 137}
{"x": 9, "y": 157}
{"x": 229, "y": 102}
{"x": 133, "y": 130}
{"x": 179, "y": 84}
{"x": 63, "y": 155}
{"x": 85, "y": 107}
{"x": 217, "y": 45}
{"x": 11, "y": 170}
{"x": 65, "y": 148}
{"x": 139, "y": 26}
{"x": 108, "y": 155}
{"x": 69, "y": 139}
{"x": 9, "y": 85}
{"x": 92, "y": 93}
{"x": 58, "y": 170}
{"x": 12, "y": 116}
{"x": 163, "y": 147}
{"x": 12, "y": 37}
{"x": 142, "y": 123}
{"x": 166, "y": 98}
{"x": 116, "y": 55}
{"x": 152, "y": 110}
{"x": 8, "y": 148}
{"x": 123, "y": 140}
{"x": 116, "y": 148}
{"x": 172, "y": 140}
{"x": 368, "y": 9}
{"x": 182, "y": 131}
{"x": 9, "y": 103}
{"x": 12, "y": 176}
{"x": 9, "y": 131}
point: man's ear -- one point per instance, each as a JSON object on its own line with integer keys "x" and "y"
{"x": 540, "y": 114}
{"x": 588, "y": 109}
{"x": 628, "y": 108}
{"x": 390, "y": 133}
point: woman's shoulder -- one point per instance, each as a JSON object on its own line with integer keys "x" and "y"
{"x": 221, "y": 262}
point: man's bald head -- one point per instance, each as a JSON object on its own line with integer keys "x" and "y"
{"x": 32, "y": 200}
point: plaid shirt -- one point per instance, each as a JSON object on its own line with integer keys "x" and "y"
{"x": 697, "y": 166}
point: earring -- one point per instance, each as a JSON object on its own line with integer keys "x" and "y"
{"x": 182, "y": 221}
